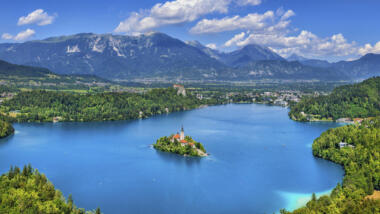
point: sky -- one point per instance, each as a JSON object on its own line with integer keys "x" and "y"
{"x": 322, "y": 29}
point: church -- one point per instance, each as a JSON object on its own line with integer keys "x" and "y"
{"x": 180, "y": 137}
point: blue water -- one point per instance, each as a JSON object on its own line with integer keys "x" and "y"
{"x": 259, "y": 161}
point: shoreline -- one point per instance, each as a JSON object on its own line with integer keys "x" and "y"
{"x": 296, "y": 200}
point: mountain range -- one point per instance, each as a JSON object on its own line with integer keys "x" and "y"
{"x": 157, "y": 56}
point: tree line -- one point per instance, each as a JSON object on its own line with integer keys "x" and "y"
{"x": 350, "y": 101}
{"x": 29, "y": 191}
{"x": 43, "y": 106}
{"x": 361, "y": 164}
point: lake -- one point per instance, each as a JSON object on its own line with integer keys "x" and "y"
{"x": 260, "y": 162}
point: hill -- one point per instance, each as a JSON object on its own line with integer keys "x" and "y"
{"x": 350, "y": 101}
{"x": 361, "y": 163}
{"x": 20, "y": 76}
{"x": 362, "y": 68}
{"x": 281, "y": 69}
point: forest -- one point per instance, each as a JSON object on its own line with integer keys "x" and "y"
{"x": 45, "y": 106}
{"x": 360, "y": 100}
{"x": 29, "y": 191}
{"x": 6, "y": 128}
{"x": 361, "y": 162}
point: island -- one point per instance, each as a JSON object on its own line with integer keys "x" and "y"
{"x": 180, "y": 144}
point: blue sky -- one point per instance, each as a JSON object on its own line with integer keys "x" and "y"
{"x": 325, "y": 29}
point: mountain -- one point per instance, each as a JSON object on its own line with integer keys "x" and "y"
{"x": 365, "y": 67}
{"x": 208, "y": 51}
{"x": 281, "y": 69}
{"x": 248, "y": 54}
{"x": 317, "y": 63}
{"x": 309, "y": 62}
{"x": 159, "y": 57}
{"x": 295, "y": 57}
{"x": 153, "y": 55}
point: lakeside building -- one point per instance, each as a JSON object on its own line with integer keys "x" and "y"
{"x": 180, "y": 89}
{"x": 344, "y": 144}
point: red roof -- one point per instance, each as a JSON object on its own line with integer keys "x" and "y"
{"x": 178, "y": 86}
{"x": 176, "y": 136}
{"x": 183, "y": 141}
{"x": 191, "y": 144}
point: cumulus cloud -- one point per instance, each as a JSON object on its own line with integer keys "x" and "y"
{"x": 171, "y": 12}
{"x": 23, "y": 35}
{"x": 212, "y": 46}
{"x": 305, "y": 44}
{"x": 249, "y": 2}
{"x": 368, "y": 48}
{"x": 175, "y": 12}
{"x": 268, "y": 21}
{"x": 6, "y": 36}
{"x": 38, "y": 17}
{"x": 272, "y": 29}
{"x": 236, "y": 40}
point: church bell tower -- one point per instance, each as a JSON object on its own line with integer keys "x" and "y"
{"x": 182, "y": 136}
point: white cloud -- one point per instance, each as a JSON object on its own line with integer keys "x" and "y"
{"x": 268, "y": 21}
{"x": 175, "y": 12}
{"x": 304, "y": 44}
{"x": 368, "y": 48}
{"x": 6, "y": 36}
{"x": 212, "y": 46}
{"x": 171, "y": 12}
{"x": 249, "y": 2}
{"x": 235, "y": 40}
{"x": 23, "y": 35}
{"x": 38, "y": 17}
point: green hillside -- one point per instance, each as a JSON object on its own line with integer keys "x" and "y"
{"x": 42, "y": 106}
{"x": 28, "y": 191}
{"x": 350, "y": 101}
{"x": 20, "y": 76}
{"x": 361, "y": 162}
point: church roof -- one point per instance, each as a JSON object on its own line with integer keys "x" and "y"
{"x": 176, "y": 136}
{"x": 183, "y": 141}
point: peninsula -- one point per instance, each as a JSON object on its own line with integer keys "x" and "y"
{"x": 180, "y": 144}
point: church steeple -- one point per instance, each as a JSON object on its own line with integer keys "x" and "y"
{"x": 182, "y": 136}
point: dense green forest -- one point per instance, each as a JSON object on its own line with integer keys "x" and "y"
{"x": 6, "y": 129}
{"x": 42, "y": 106}
{"x": 361, "y": 164}
{"x": 166, "y": 145}
{"x": 28, "y": 191}
{"x": 349, "y": 101}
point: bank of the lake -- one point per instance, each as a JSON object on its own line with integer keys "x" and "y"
{"x": 6, "y": 129}
{"x": 258, "y": 153}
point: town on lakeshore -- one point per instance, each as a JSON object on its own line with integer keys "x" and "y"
{"x": 180, "y": 144}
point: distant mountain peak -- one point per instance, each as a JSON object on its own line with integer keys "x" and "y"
{"x": 295, "y": 57}
{"x": 248, "y": 54}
